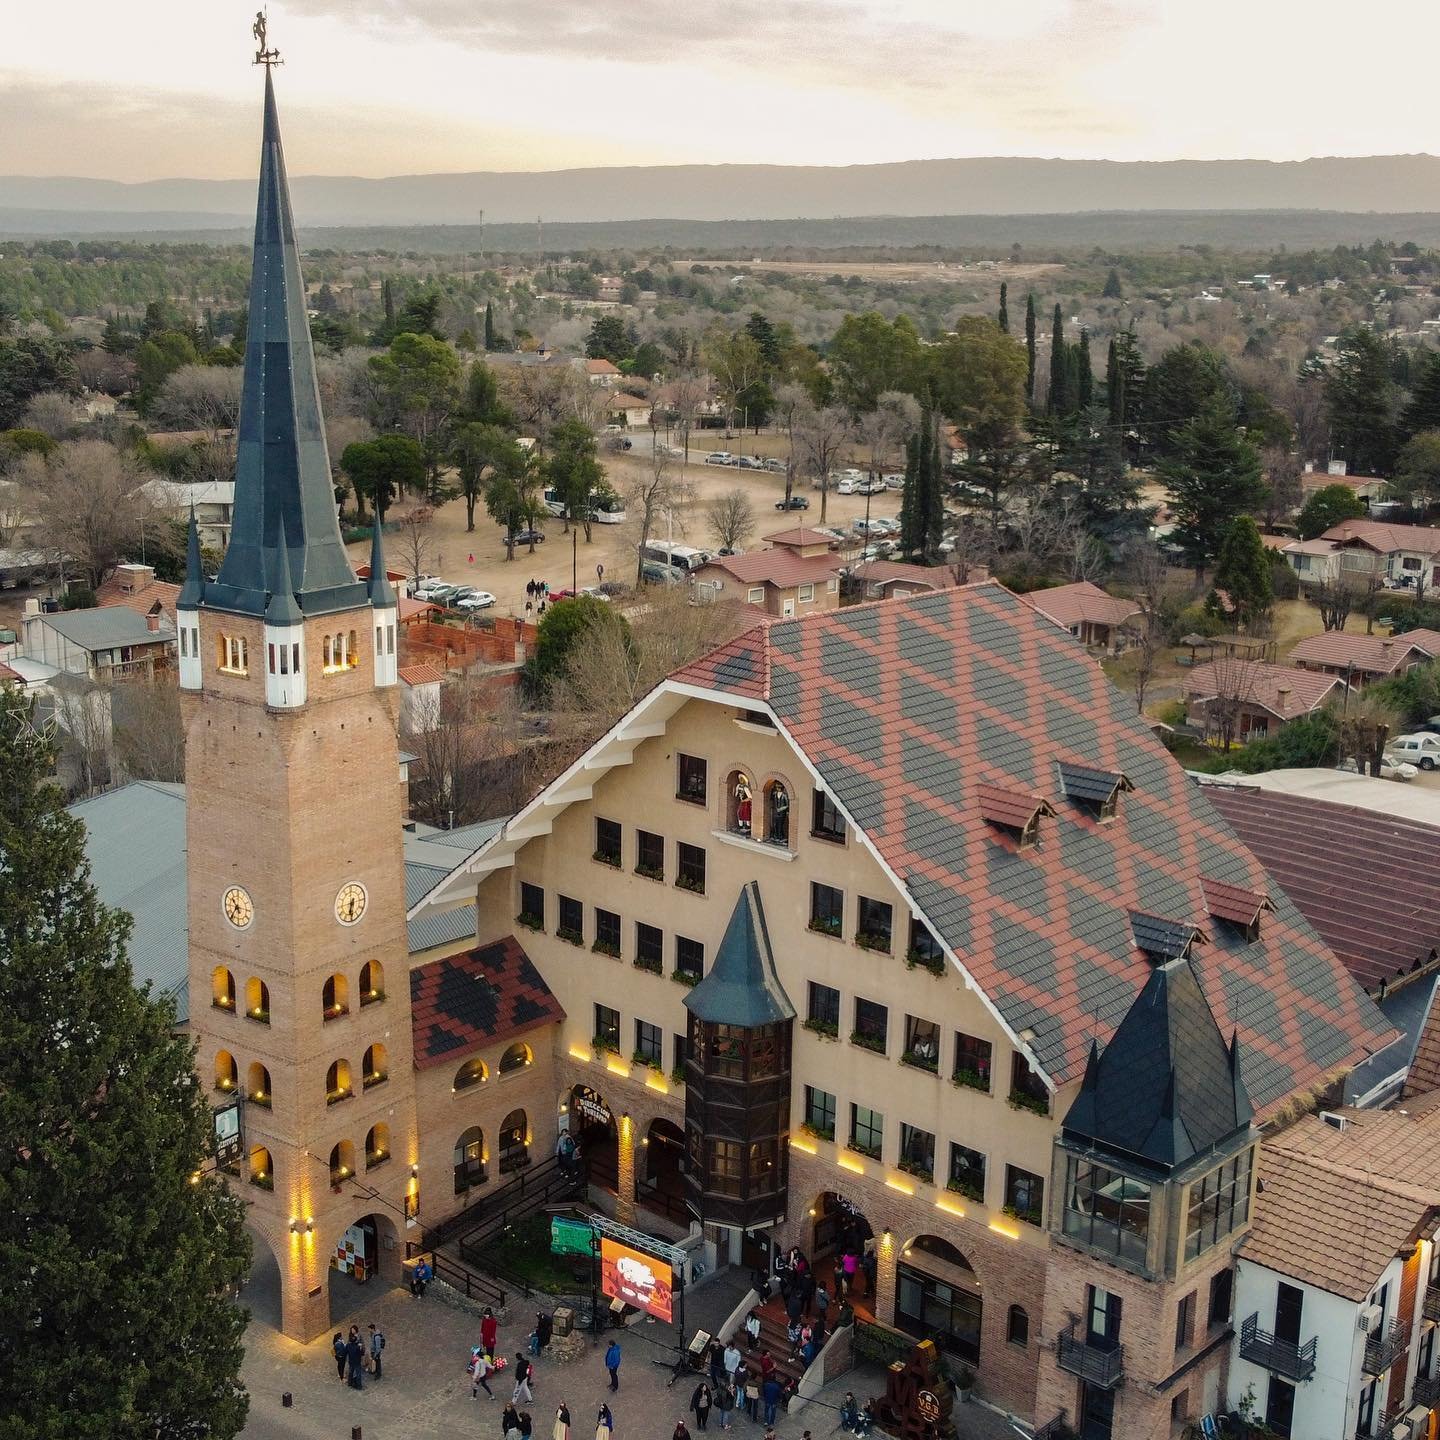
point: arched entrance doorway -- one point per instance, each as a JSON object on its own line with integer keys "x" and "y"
{"x": 937, "y": 1297}
{"x": 592, "y": 1124}
{"x": 839, "y": 1228}
{"x": 366, "y": 1256}
{"x": 660, "y": 1175}
{"x": 260, "y": 1294}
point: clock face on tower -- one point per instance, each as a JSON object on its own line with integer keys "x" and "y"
{"x": 350, "y": 903}
{"x": 239, "y": 908}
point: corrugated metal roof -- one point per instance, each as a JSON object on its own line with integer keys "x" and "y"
{"x": 107, "y": 627}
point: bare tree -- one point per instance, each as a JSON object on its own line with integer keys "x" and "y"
{"x": 1335, "y": 599}
{"x": 823, "y": 433}
{"x": 791, "y": 404}
{"x": 544, "y": 395}
{"x": 972, "y": 550}
{"x": 1285, "y": 492}
{"x": 886, "y": 428}
{"x": 1234, "y": 688}
{"x": 149, "y": 734}
{"x": 1148, "y": 576}
{"x": 98, "y": 370}
{"x": 685, "y": 394}
{"x": 82, "y": 708}
{"x": 415, "y": 540}
{"x": 731, "y": 518}
{"x": 660, "y": 488}
{"x": 52, "y": 413}
{"x": 201, "y": 397}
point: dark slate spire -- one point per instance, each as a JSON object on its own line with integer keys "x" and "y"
{"x": 1167, "y": 1087}
{"x": 192, "y": 592}
{"x": 742, "y": 987}
{"x": 282, "y": 470}
{"x": 281, "y": 608}
{"x": 382, "y": 597}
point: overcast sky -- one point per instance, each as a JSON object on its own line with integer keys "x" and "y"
{"x": 159, "y": 88}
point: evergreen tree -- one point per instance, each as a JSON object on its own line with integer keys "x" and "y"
{"x": 911, "y": 529}
{"x": 1005, "y": 307}
{"x": 1085, "y": 376}
{"x": 1328, "y": 506}
{"x": 1422, "y": 413}
{"x": 1183, "y": 383}
{"x": 1112, "y": 290}
{"x": 762, "y": 332}
{"x": 387, "y": 299}
{"x": 1058, "y": 402}
{"x": 933, "y": 519}
{"x": 1030, "y": 349}
{"x": 120, "y": 1256}
{"x": 489, "y": 325}
{"x": 1213, "y": 474}
{"x": 1360, "y": 394}
{"x": 1242, "y": 571}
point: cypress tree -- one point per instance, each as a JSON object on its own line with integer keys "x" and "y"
{"x": 1242, "y": 570}
{"x": 1004, "y": 307}
{"x": 1085, "y": 380}
{"x": 120, "y": 1257}
{"x": 933, "y": 520}
{"x": 1112, "y": 290}
{"x": 1058, "y": 401}
{"x": 1114, "y": 386}
{"x": 910, "y": 506}
{"x": 387, "y": 298}
{"x": 489, "y": 325}
{"x": 1030, "y": 348}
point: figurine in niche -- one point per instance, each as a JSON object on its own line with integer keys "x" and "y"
{"x": 743, "y": 803}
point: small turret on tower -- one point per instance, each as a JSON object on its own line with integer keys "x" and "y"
{"x": 386, "y": 608}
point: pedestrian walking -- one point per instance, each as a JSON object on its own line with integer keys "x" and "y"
{"x": 715, "y": 1360}
{"x": 680, "y": 1432}
{"x": 724, "y": 1403}
{"x": 510, "y": 1419}
{"x": 700, "y": 1404}
{"x": 527, "y": 1425}
{"x": 731, "y": 1359}
{"x": 870, "y": 1264}
{"x": 480, "y": 1368}
{"x": 544, "y": 1328}
{"x": 822, "y": 1300}
{"x": 770, "y": 1393}
{"x": 612, "y": 1364}
{"x": 522, "y": 1380}
{"x": 604, "y": 1424}
{"x": 767, "y": 1365}
{"x": 561, "y": 1430}
{"x": 377, "y": 1345}
{"x": 849, "y": 1263}
{"x": 337, "y": 1346}
{"x": 489, "y": 1333}
{"x": 752, "y": 1328}
{"x": 752, "y": 1396}
{"x": 355, "y": 1360}
{"x": 420, "y": 1276}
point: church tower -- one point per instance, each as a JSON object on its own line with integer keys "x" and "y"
{"x": 288, "y": 670}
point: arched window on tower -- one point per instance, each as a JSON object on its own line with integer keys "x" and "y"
{"x": 337, "y": 1082}
{"x": 335, "y": 997}
{"x": 227, "y": 1073}
{"x": 514, "y": 1142}
{"x": 472, "y": 1072}
{"x": 257, "y": 1085}
{"x": 342, "y": 1163}
{"x": 373, "y": 1071}
{"x": 222, "y": 988}
{"x": 377, "y": 1145}
{"x": 470, "y": 1160}
{"x": 262, "y": 1172}
{"x": 372, "y": 982}
{"x": 257, "y": 1000}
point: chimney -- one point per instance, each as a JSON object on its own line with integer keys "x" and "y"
{"x": 1387, "y": 645}
{"x": 152, "y": 621}
{"x": 1282, "y": 694}
{"x": 134, "y": 578}
{"x": 1336, "y": 467}
{"x": 32, "y": 606}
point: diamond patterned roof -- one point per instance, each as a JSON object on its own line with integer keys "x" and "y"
{"x": 907, "y": 707}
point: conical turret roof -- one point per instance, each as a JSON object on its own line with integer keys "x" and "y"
{"x": 192, "y": 592}
{"x": 742, "y": 987}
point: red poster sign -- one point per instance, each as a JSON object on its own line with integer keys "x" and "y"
{"x": 637, "y": 1279}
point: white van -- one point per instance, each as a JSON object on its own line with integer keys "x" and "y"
{"x": 678, "y": 557}
{"x": 609, "y": 512}
{"x": 1421, "y": 749}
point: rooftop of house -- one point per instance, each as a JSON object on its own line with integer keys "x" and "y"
{"x": 800, "y": 535}
{"x": 1371, "y": 654}
{"x": 600, "y": 367}
{"x": 1316, "y": 849}
{"x": 107, "y": 627}
{"x": 907, "y": 708}
{"x": 884, "y": 572}
{"x": 423, "y": 674}
{"x": 1341, "y": 1202}
{"x": 1082, "y": 603}
{"x": 138, "y": 593}
{"x": 621, "y": 400}
{"x": 779, "y": 567}
{"x": 1285, "y": 692}
{"x": 1377, "y": 535}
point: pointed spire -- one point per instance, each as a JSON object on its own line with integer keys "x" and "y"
{"x": 280, "y": 607}
{"x": 743, "y": 987}
{"x": 192, "y": 592}
{"x": 382, "y": 596}
{"x": 282, "y": 469}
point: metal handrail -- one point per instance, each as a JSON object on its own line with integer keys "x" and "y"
{"x": 1280, "y": 1357}
{"x": 1095, "y": 1365}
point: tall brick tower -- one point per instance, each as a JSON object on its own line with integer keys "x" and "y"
{"x": 296, "y": 881}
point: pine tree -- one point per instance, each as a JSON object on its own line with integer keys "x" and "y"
{"x": 1242, "y": 571}
{"x": 933, "y": 493}
{"x": 1057, "y": 402}
{"x": 1004, "y": 307}
{"x": 1422, "y": 413}
{"x": 911, "y": 536}
{"x": 1112, "y": 290}
{"x": 762, "y": 332}
{"x": 120, "y": 1258}
{"x": 489, "y": 325}
{"x": 1213, "y": 474}
{"x": 387, "y": 299}
{"x": 1085, "y": 376}
{"x": 1030, "y": 349}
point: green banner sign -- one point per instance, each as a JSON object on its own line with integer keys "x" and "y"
{"x": 571, "y": 1237}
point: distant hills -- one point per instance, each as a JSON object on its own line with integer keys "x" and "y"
{"x": 919, "y": 188}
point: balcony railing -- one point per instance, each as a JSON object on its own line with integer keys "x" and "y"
{"x": 1432, "y": 1303}
{"x": 1056, "y": 1429}
{"x": 1427, "y": 1391}
{"x": 1383, "y": 1348}
{"x": 1101, "y": 1367}
{"x": 1279, "y": 1357}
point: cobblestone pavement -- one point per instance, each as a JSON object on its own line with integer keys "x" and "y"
{"x": 425, "y": 1394}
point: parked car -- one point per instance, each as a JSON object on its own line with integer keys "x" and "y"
{"x": 662, "y": 574}
{"x": 618, "y": 442}
{"x": 527, "y": 537}
{"x": 719, "y": 457}
{"x": 869, "y": 527}
{"x": 1389, "y": 769}
{"x": 845, "y": 485}
{"x": 894, "y": 482}
{"x": 775, "y": 466}
{"x": 429, "y": 586}
{"x": 749, "y": 462}
{"x": 590, "y": 590}
{"x": 421, "y": 582}
{"x": 1422, "y": 749}
{"x": 459, "y": 593}
{"x": 476, "y": 600}
{"x": 611, "y": 429}
{"x": 796, "y": 502}
{"x": 887, "y": 524}
{"x": 436, "y": 594}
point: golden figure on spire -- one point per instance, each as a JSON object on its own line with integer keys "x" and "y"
{"x": 263, "y": 55}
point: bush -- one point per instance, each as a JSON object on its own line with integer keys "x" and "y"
{"x": 1284, "y": 582}
{"x": 1195, "y": 620}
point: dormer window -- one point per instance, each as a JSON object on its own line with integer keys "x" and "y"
{"x": 1163, "y": 940}
{"x": 232, "y": 655}
{"x": 1017, "y": 812}
{"x": 1237, "y": 906}
{"x": 1096, "y": 791}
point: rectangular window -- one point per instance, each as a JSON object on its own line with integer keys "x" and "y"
{"x": 607, "y": 841}
{"x": 827, "y": 823}
{"x": 967, "y": 1173}
{"x": 972, "y": 1062}
{"x": 1106, "y": 1211}
{"x": 1027, "y": 1089}
{"x": 184, "y": 641}
{"x": 827, "y": 909}
{"x": 924, "y": 948}
{"x": 571, "y": 923}
{"x": 690, "y": 868}
{"x": 1024, "y": 1196}
{"x": 873, "y": 924}
{"x": 689, "y": 958}
{"x": 1367, "y": 1408}
{"x": 1280, "y": 1406}
{"x": 607, "y": 1029}
{"x": 867, "y": 1131}
{"x": 727, "y": 1159}
{"x": 678, "y": 1052}
{"x": 807, "y": 594}
{"x": 284, "y": 659}
{"x": 295, "y": 657}
{"x": 648, "y": 1043}
{"x": 727, "y": 1050}
{"x": 756, "y": 595}
{"x": 532, "y": 906}
{"x": 649, "y": 948}
{"x": 832, "y": 587}
{"x": 872, "y": 1020}
{"x": 379, "y": 639}
{"x": 1219, "y": 1205}
{"x": 1222, "y": 1285}
{"x": 607, "y": 932}
{"x": 270, "y": 658}
{"x": 823, "y": 1013}
{"x": 922, "y": 1044}
{"x": 917, "y": 1152}
{"x": 691, "y": 783}
{"x": 1185, "y": 1322}
{"x": 820, "y": 1112}
{"x": 649, "y": 855}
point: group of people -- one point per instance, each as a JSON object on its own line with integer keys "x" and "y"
{"x": 357, "y": 1354}
{"x": 537, "y": 596}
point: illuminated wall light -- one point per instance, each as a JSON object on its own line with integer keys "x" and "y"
{"x": 656, "y": 1082}
{"x": 849, "y": 1162}
{"x": 804, "y": 1146}
{"x": 1004, "y": 1230}
{"x": 617, "y": 1066}
{"x": 578, "y": 1052}
{"x": 900, "y": 1185}
{"x": 950, "y": 1207}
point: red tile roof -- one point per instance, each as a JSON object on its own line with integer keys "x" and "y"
{"x": 1369, "y": 654}
{"x": 140, "y": 600}
{"x": 907, "y": 707}
{"x": 1233, "y": 902}
{"x": 600, "y": 367}
{"x": 485, "y": 996}
{"x": 883, "y": 572}
{"x": 1420, "y": 539}
{"x": 781, "y": 568}
{"x": 1082, "y": 603}
{"x": 421, "y": 675}
{"x": 1014, "y": 809}
{"x": 1426, "y": 640}
{"x": 1367, "y": 881}
{"x": 1424, "y": 1076}
{"x": 414, "y": 609}
{"x": 800, "y": 535}
{"x": 1282, "y": 690}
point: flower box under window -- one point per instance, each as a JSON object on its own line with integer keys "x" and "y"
{"x": 530, "y": 922}
{"x": 918, "y": 960}
{"x": 826, "y": 925}
{"x": 867, "y": 1041}
{"x": 606, "y": 1044}
{"x": 650, "y": 872}
{"x": 607, "y": 947}
{"x": 921, "y": 1062}
{"x": 1019, "y": 1100}
{"x": 970, "y": 1189}
{"x": 826, "y": 1028}
{"x": 971, "y": 1080}
{"x": 871, "y": 1152}
{"x": 568, "y": 934}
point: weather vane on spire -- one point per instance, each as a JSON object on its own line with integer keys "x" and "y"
{"x": 263, "y": 55}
